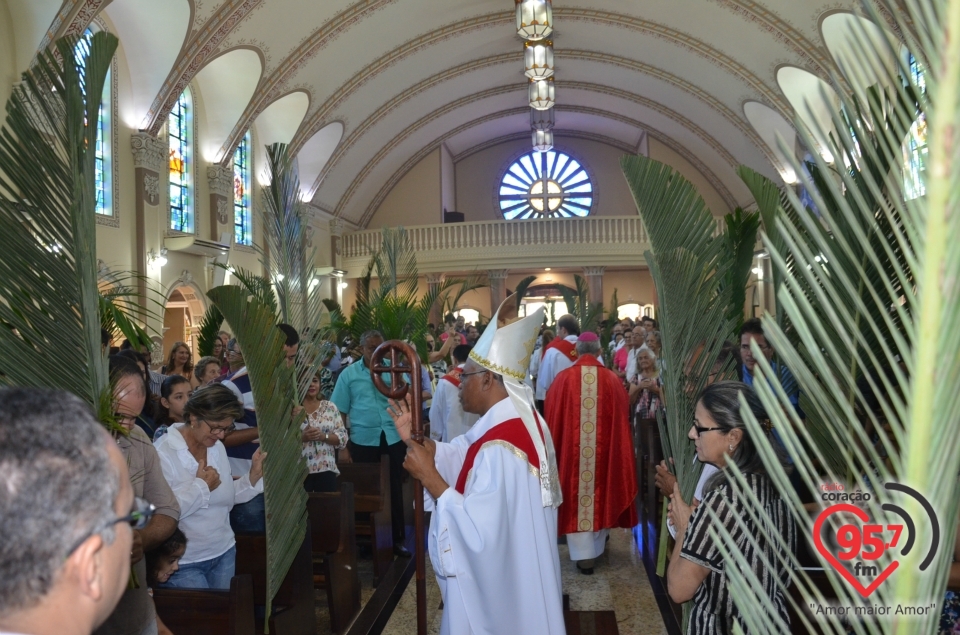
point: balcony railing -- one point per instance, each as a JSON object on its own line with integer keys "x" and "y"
{"x": 593, "y": 241}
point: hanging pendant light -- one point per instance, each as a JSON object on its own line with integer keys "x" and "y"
{"x": 542, "y": 140}
{"x": 534, "y": 19}
{"x": 542, "y": 93}
{"x": 542, "y": 119}
{"x": 538, "y": 59}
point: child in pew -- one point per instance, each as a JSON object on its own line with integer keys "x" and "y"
{"x": 162, "y": 563}
{"x": 174, "y": 394}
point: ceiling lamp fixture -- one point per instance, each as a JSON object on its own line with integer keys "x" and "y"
{"x": 542, "y": 140}
{"x": 542, "y": 93}
{"x": 542, "y": 119}
{"x": 538, "y": 59}
{"x": 534, "y": 19}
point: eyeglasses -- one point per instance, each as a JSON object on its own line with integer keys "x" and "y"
{"x": 701, "y": 430}
{"x": 220, "y": 429}
{"x": 137, "y": 519}
{"x": 476, "y": 372}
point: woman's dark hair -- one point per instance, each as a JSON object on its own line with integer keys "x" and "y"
{"x": 139, "y": 358}
{"x": 157, "y": 557}
{"x": 166, "y": 389}
{"x": 213, "y": 403}
{"x": 722, "y": 401}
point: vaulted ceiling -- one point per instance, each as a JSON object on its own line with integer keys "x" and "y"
{"x": 365, "y": 89}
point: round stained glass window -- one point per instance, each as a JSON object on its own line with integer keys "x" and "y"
{"x": 545, "y": 185}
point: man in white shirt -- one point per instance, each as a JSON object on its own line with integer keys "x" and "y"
{"x": 65, "y": 516}
{"x": 560, "y": 354}
{"x": 447, "y": 418}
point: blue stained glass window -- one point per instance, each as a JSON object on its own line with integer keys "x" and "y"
{"x": 242, "y": 218}
{"x": 103, "y": 175}
{"x": 179, "y": 129}
{"x": 915, "y": 146}
{"x": 545, "y": 185}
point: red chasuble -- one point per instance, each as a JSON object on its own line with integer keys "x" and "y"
{"x": 454, "y": 376}
{"x": 567, "y": 349}
{"x": 587, "y": 411}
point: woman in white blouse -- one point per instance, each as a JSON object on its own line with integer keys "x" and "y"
{"x": 322, "y": 433}
{"x": 195, "y": 465}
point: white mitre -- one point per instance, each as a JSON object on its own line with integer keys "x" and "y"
{"x": 506, "y": 350}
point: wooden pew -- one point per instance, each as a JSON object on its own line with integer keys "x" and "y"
{"x": 293, "y": 607}
{"x": 208, "y": 611}
{"x": 333, "y": 527}
{"x": 371, "y": 495}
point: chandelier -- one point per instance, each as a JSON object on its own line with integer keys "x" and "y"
{"x": 534, "y": 19}
{"x": 542, "y": 140}
{"x": 538, "y": 59}
{"x": 542, "y": 93}
{"x": 541, "y": 119}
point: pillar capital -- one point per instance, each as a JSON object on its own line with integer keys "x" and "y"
{"x": 434, "y": 278}
{"x": 594, "y": 271}
{"x": 149, "y": 152}
{"x": 498, "y": 274}
{"x": 220, "y": 179}
{"x": 336, "y": 227}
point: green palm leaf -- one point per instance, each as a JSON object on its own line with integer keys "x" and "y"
{"x": 741, "y": 237}
{"x": 869, "y": 287}
{"x": 272, "y": 382}
{"x": 209, "y": 330}
{"x": 48, "y": 275}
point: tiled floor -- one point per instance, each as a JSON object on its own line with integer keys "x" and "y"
{"x": 618, "y": 584}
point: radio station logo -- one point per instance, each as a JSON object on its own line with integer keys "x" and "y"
{"x": 860, "y": 543}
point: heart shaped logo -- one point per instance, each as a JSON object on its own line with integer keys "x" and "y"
{"x": 832, "y": 559}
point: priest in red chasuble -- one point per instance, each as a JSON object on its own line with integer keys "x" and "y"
{"x": 587, "y": 412}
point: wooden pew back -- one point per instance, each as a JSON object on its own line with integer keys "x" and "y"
{"x": 208, "y": 611}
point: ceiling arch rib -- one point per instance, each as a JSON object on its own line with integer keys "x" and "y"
{"x": 202, "y": 46}
{"x": 520, "y": 114}
{"x": 559, "y": 133}
{"x": 151, "y": 41}
{"x": 226, "y": 85}
{"x": 314, "y": 155}
{"x": 369, "y": 165}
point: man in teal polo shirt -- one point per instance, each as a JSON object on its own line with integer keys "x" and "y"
{"x": 372, "y": 431}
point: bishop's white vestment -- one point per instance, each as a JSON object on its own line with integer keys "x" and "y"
{"x": 493, "y": 544}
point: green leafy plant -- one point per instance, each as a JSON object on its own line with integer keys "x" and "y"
{"x": 209, "y": 331}
{"x": 50, "y": 304}
{"x": 741, "y": 238}
{"x": 588, "y": 314}
{"x": 868, "y": 287}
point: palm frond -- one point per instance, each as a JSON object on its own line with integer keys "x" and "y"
{"x": 741, "y": 237}
{"x": 209, "y": 331}
{"x": 523, "y": 285}
{"x": 48, "y": 274}
{"x": 869, "y": 287}
{"x": 284, "y": 470}
{"x": 257, "y": 286}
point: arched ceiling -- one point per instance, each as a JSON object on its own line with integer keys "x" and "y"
{"x": 397, "y": 78}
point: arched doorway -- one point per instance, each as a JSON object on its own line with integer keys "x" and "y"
{"x": 182, "y": 311}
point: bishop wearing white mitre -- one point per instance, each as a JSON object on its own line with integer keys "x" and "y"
{"x": 494, "y": 494}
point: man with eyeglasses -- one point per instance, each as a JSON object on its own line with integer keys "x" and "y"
{"x": 65, "y": 515}
{"x": 135, "y": 614}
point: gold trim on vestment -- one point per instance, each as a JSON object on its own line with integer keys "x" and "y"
{"x": 586, "y": 490}
{"x": 514, "y": 450}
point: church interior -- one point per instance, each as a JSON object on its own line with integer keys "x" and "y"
{"x": 496, "y": 146}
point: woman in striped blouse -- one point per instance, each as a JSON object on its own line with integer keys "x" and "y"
{"x": 697, "y": 565}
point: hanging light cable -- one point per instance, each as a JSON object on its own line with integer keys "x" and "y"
{"x": 534, "y": 19}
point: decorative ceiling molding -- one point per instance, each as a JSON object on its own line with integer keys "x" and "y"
{"x": 525, "y": 136}
{"x": 428, "y": 148}
{"x": 201, "y": 47}
{"x": 385, "y": 150}
{"x": 756, "y": 14}
{"x": 273, "y": 84}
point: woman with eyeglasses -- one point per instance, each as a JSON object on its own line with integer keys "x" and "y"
{"x": 195, "y": 464}
{"x": 697, "y": 566}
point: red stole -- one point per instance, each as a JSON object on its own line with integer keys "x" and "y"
{"x": 567, "y": 349}
{"x": 454, "y": 376}
{"x": 511, "y": 432}
{"x": 587, "y": 411}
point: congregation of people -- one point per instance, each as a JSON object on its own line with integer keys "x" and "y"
{"x": 190, "y": 468}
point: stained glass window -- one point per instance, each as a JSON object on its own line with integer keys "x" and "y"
{"x": 242, "y": 218}
{"x": 179, "y": 128}
{"x": 915, "y": 147}
{"x": 103, "y": 175}
{"x": 545, "y": 185}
